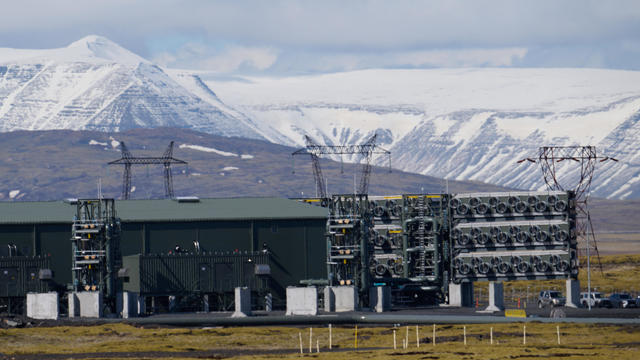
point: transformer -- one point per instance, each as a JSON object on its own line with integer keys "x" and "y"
{"x": 209, "y": 273}
{"x": 20, "y": 275}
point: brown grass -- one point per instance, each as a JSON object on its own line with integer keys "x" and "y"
{"x": 578, "y": 341}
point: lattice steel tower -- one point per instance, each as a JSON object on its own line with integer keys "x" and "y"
{"x": 586, "y": 158}
{"x": 366, "y": 151}
{"x": 165, "y": 160}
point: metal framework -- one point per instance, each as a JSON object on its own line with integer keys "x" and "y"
{"x": 165, "y": 160}
{"x": 366, "y": 150}
{"x": 586, "y": 158}
{"x": 95, "y": 246}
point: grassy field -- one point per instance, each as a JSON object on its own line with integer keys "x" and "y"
{"x": 577, "y": 341}
{"x": 124, "y": 341}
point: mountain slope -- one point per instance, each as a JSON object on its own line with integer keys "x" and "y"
{"x": 53, "y": 165}
{"x": 460, "y": 123}
{"x": 96, "y": 84}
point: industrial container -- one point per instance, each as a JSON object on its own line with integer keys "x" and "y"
{"x": 200, "y": 273}
{"x": 20, "y": 275}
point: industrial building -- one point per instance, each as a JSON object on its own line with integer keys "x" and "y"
{"x": 292, "y": 232}
{"x": 364, "y": 251}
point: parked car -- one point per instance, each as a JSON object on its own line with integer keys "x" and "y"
{"x": 596, "y": 300}
{"x": 550, "y": 298}
{"x": 622, "y": 300}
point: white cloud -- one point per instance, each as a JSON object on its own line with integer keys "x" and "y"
{"x": 461, "y": 57}
{"x": 253, "y": 35}
{"x": 229, "y": 59}
{"x": 237, "y": 57}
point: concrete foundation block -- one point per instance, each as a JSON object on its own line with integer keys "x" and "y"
{"x": 496, "y": 296}
{"x": 461, "y": 294}
{"x": 130, "y": 304}
{"x": 573, "y": 293}
{"x": 43, "y": 306}
{"x": 302, "y": 300}
{"x": 243, "y": 302}
{"x": 380, "y": 298}
{"x": 345, "y": 298}
{"x": 85, "y": 304}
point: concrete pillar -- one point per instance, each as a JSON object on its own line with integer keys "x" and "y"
{"x": 173, "y": 303}
{"x": 573, "y": 293}
{"x": 205, "y": 303}
{"x": 302, "y": 300}
{"x": 73, "y": 304}
{"x": 129, "y": 304}
{"x": 341, "y": 298}
{"x": 380, "y": 298}
{"x": 243, "y": 302}
{"x": 268, "y": 302}
{"x": 329, "y": 299}
{"x": 43, "y": 306}
{"x": 85, "y": 304}
{"x": 461, "y": 294}
{"x": 496, "y": 296}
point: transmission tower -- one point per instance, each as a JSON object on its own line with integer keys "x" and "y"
{"x": 586, "y": 158}
{"x": 366, "y": 151}
{"x": 165, "y": 160}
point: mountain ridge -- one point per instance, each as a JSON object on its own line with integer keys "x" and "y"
{"x": 453, "y": 123}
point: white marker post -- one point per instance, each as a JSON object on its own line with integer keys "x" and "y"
{"x": 330, "y": 335}
{"x": 491, "y": 335}
{"x": 310, "y": 339}
{"x": 394, "y": 339}
{"x": 558, "y": 332}
{"x": 464, "y": 334}
{"x": 406, "y": 338}
{"x": 434, "y": 335}
{"x": 417, "y": 337}
{"x": 524, "y": 335}
{"x": 300, "y": 336}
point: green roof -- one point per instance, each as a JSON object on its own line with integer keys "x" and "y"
{"x": 167, "y": 210}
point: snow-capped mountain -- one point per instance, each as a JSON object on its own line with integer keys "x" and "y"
{"x": 471, "y": 124}
{"x": 94, "y": 84}
{"x": 464, "y": 124}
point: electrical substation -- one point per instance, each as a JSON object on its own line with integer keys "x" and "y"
{"x": 106, "y": 257}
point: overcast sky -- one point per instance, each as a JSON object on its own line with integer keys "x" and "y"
{"x": 293, "y": 37}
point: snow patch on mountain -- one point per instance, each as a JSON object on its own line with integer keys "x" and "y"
{"x": 207, "y": 149}
{"x": 95, "y": 142}
{"x": 463, "y": 124}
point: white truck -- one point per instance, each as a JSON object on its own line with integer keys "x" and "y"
{"x": 596, "y": 300}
